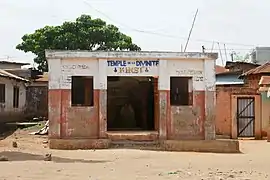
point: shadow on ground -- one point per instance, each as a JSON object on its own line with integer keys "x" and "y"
{"x": 20, "y": 156}
{"x": 6, "y": 130}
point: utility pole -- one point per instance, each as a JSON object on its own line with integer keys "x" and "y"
{"x": 213, "y": 44}
{"x": 220, "y": 54}
{"x": 225, "y": 53}
{"x": 191, "y": 30}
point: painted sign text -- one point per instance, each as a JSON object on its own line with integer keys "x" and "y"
{"x": 196, "y": 74}
{"x": 132, "y": 67}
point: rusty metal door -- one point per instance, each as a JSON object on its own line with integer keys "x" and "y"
{"x": 245, "y": 117}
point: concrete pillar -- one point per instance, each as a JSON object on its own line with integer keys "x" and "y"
{"x": 164, "y": 99}
{"x": 210, "y": 99}
{"x": 102, "y": 107}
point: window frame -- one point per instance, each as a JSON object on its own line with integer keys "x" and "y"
{"x": 2, "y": 93}
{"x": 16, "y": 96}
{"x": 187, "y": 93}
{"x": 81, "y": 100}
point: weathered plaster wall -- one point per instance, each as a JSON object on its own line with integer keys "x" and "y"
{"x": 7, "y": 112}
{"x": 67, "y": 121}
{"x": 174, "y": 122}
{"x": 189, "y": 122}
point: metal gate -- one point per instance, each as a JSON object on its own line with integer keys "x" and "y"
{"x": 245, "y": 117}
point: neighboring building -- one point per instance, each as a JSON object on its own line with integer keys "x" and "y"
{"x": 35, "y": 91}
{"x": 159, "y": 95}
{"x": 265, "y": 96}
{"x": 233, "y": 96}
{"x": 220, "y": 69}
{"x": 12, "y": 96}
{"x": 253, "y": 79}
{"x": 37, "y": 96}
{"x": 234, "y": 66}
{"x": 11, "y": 65}
{"x": 260, "y": 55}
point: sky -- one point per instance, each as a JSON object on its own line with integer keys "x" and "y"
{"x": 221, "y": 26}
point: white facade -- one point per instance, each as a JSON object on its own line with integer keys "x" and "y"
{"x": 64, "y": 64}
{"x": 9, "y": 85}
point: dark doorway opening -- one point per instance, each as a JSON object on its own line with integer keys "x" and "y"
{"x": 130, "y": 103}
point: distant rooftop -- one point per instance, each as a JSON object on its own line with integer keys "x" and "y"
{"x": 263, "y": 69}
{"x": 6, "y": 74}
{"x": 233, "y": 63}
{"x": 220, "y": 69}
{"x": 11, "y": 62}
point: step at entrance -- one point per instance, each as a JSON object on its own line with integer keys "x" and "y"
{"x": 133, "y": 135}
{"x": 143, "y": 145}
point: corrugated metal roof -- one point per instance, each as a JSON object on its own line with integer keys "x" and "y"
{"x": 229, "y": 83}
{"x": 265, "y": 68}
{"x": 263, "y": 89}
{"x": 6, "y": 74}
{"x": 227, "y": 79}
{"x": 265, "y": 80}
{"x": 233, "y": 63}
{"x": 11, "y": 62}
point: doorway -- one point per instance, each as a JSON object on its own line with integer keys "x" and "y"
{"x": 130, "y": 103}
{"x": 245, "y": 116}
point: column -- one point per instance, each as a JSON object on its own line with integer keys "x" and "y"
{"x": 164, "y": 99}
{"x": 102, "y": 110}
{"x": 210, "y": 99}
{"x": 54, "y": 98}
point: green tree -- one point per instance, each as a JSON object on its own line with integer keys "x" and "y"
{"x": 83, "y": 34}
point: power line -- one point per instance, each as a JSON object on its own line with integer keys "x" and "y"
{"x": 191, "y": 30}
{"x": 155, "y": 33}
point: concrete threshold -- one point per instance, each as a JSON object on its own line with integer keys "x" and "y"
{"x": 133, "y": 135}
{"x": 211, "y": 146}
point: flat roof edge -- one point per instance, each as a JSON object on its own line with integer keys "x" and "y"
{"x": 55, "y": 54}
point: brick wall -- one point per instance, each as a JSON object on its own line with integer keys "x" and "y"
{"x": 252, "y": 81}
{"x": 223, "y": 106}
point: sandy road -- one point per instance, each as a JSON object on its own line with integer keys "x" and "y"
{"x": 26, "y": 163}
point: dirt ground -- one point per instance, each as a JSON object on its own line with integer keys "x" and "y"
{"x": 26, "y": 162}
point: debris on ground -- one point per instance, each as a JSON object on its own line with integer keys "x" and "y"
{"x": 38, "y": 119}
{"x": 48, "y": 157}
{"x": 14, "y": 144}
{"x": 42, "y": 131}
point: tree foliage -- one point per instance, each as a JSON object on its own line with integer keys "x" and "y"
{"x": 83, "y": 34}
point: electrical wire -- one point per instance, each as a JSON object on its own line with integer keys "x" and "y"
{"x": 165, "y": 35}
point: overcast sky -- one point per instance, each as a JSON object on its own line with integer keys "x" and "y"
{"x": 153, "y": 24}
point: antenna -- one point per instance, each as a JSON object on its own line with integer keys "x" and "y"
{"x": 213, "y": 44}
{"x": 225, "y": 53}
{"x": 191, "y": 30}
{"x": 220, "y": 54}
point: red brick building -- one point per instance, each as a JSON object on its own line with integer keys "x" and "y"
{"x": 236, "y": 97}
